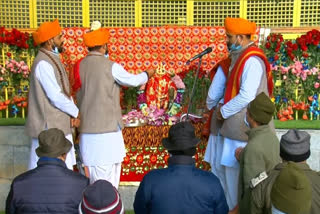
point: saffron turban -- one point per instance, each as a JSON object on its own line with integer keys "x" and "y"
{"x": 239, "y": 26}
{"x": 96, "y": 37}
{"x": 46, "y": 31}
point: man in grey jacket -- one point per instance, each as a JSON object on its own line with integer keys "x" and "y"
{"x": 101, "y": 141}
{"x": 50, "y": 103}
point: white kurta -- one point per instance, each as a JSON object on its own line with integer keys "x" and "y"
{"x": 101, "y": 151}
{"x": 44, "y": 73}
{"x": 220, "y": 150}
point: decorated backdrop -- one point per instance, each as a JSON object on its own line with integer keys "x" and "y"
{"x": 136, "y": 49}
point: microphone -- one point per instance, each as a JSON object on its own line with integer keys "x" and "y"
{"x": 206, "y": 51}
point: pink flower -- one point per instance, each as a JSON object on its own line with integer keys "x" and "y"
{"x": 25, "y": 67}
{"x": 273, "y": 67}
{"x": 298, "y": 65}
{"x": 143, "y": 87}
{"x": 316, "y": 85}
{"x": 1, "y": 78}
{"x": 294, "y": 71}
{"x": 284, "y": 77}
{"x": 178, "y": 82}
{"x": 284, "y": 70}
{"x": 297, "y": 81}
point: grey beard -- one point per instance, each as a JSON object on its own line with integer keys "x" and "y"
{"x": 234, "y": 55}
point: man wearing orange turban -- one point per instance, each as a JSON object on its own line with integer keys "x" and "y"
{"x": 50, "y": 103}
{"x": 233, "y": 87}
{"x": 101, "y": 141}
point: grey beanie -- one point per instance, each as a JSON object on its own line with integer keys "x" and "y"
{"x": 295, "y": 146}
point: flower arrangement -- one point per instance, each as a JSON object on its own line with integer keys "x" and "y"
{"x": 13, "y": 72}
{"x": 156, "y": 116}
{"x": 295, "y": 65}
{"x": 17, "y": 41}
{"x": 14, "y": 75}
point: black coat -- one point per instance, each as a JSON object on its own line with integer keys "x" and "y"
{"x": 49, "y": 188}
{"x": 180, "y": 188}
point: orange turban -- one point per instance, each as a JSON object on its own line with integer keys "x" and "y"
{"x": 46, "y": 31}
{"x": 239, "y": 26}
{"x": 96, "y": 37}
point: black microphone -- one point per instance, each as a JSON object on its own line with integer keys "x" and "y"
{"x": 206, "y": 51}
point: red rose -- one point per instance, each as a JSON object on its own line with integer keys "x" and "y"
{"x": 281, "y": 38}
{"x": 305, "y": 54}
{"x": 289, "y": 44}
{"x": 8, "y": 54}
{"x": 268, "y": 45}
{"x": 304, "y": 48}
{"x": 295, "y": 46}
{"x": 315, "y": 42}
{"x": 277, "y": 49}
{"x": 276, "y": 57}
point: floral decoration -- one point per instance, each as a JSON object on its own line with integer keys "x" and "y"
{"x": 17, "y": 41}
{"x": 295, "y": 65}
{"x": 14, "y": 76}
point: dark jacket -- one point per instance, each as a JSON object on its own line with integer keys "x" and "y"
{"x": 180, "y": 188}
{"x": 260, "y": 197}
{"x": 49, "y": 188}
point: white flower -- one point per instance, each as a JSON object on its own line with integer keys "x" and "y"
{"x": 95, "y": 25}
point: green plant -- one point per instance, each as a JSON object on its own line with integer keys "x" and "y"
{"x": 130, "y": 98}
{"x": 201, "y": 89}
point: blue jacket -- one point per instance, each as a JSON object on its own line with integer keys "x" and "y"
{"x": 180, "y": 188}
{"x": 49, "y": 188}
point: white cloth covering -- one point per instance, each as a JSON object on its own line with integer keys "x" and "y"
{"x": 109, "y": 172}
{"x": 220, "y": 150}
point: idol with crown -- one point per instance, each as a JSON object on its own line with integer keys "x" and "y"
{"x": 154, "y": 99}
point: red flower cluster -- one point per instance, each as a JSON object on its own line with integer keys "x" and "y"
{"x": 274, "y": 42}
{"x": 309, "y": 44}
{"x": 290, "y": 49}
{"x": 15, "y": 38}
{"x": 311, "y": 38}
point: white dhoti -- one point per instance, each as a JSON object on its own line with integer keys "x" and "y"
{"x": 70, "y": 160}
{"x": 220, "y": 154}
{"x": 110, "y": 173}
{"x": 103, "y": 154}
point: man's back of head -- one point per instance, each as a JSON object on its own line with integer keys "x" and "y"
{"x": 180, "y": 188}
{"x": 51, "y": 185}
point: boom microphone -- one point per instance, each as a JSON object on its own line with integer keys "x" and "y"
{"x": 206, "y": 51}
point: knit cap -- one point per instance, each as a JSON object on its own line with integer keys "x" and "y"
{"x": 295, "y": 146}
{"x": 101, "y": 197}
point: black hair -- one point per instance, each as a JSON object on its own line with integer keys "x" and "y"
{"x": 95, "y": 48}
